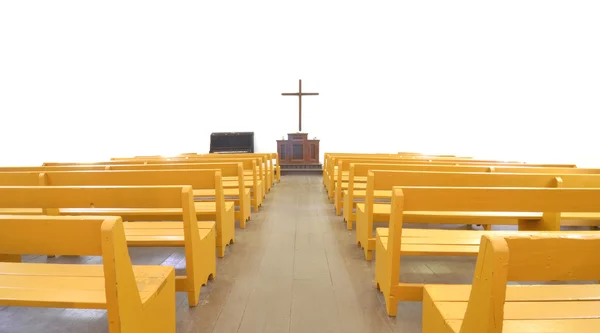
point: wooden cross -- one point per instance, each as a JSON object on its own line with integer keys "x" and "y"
{"x": 299, "y": 94}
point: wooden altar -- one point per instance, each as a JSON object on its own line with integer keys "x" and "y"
{"x": 298, "y": 149}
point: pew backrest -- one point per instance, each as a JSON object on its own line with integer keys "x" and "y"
{"x": 96, "y": 197}
{"x": 197, "y": 179}
{"x": 344, "y": 163}
{"x": 19, "y": 178}
{"x": 387, "y": 180}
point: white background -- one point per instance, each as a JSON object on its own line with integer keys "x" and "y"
{"x": 83, "y": 80}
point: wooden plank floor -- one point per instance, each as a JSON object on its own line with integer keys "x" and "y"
{"x": 294, "y": 269}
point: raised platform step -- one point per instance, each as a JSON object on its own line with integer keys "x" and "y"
{"x": 301, "y": 168}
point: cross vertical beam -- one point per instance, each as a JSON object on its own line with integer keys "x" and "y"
{"x": 299, "y": 94}
{"x": 299, "y": 105}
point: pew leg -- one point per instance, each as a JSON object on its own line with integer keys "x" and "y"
{"x": 193, "y": 298}
{"x": 391, "y": 306}
{"x": 221, "y": 251}
{"x": 368, "y": 253}
{"x": 487, "y": 227}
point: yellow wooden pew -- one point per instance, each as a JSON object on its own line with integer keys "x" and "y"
{"x": 396, "y": 242}
{"x": 269, "y": 168}
{"x": 218, "y": 210}
{"x": 231, "y": 181}
{"x": 328, "y": 166}
{"x": 136, "y": 298}
{"x": 277, "y": 167}
{"x": 254, "y": 177}
{"x": 356, "y": 184}
{"x": 213, "y": 158}
{"x": 342, "y": 170}
{"x": 334, "y": 172}
{"x": 369, "y": 211}
{"x": 270, "y": 161}
{"x": 330, "y": 162}
{"x": 233, "y": 175}
{"x": 198, "y": 238}
{"x": 491, "y": 305}
{"x": 355, "y": 188}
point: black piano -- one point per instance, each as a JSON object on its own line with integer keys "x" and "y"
{"x": 232, "y": 142}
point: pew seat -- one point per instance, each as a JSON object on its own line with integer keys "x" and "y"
{"x": 382, "y": 213}
{"x": 258, "y": 197}
{"x": 70, "y": 286}
{"x": 228, "y": 192}
{"x": 231, "y": 194}
{"x": 162, "y": 233}
{"x": 528, "y": 308}
{"x": 205, "y": 211}
{"x": 444, "y": 242}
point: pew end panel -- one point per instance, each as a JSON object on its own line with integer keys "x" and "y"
{"x": 137, "y": 298}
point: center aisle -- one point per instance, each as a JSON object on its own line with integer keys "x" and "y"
{"x": 294, "y": 269}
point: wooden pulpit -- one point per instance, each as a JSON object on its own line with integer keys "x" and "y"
{"x": 298, "y": 149}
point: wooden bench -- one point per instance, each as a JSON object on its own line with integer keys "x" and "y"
{"x": 395, "y": 242}
{"x": 136, "y": 298}
{"x": 240, "y": 195}
{"x": 269, "y": 168}
{"x": 254, "y": 177}
{"x": 328, "y": 166}
{"x": 277, "y": 167}
{"x": 212, "y": 159}
{"x": 491, "y": 305}
{"x": 209, "y": 180}
{"x": 266, "y": 160}
{"x": 336, "y": 174}
{"x": 357, "y": 180}
{"x": 354, "y": 189}
{"x": 230, "y": 182}
{"x": 330, "y": 158}
{"x": 198, "y": 238}
{"x": 342, "y": 170}
{"x": 370, "y": 212}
